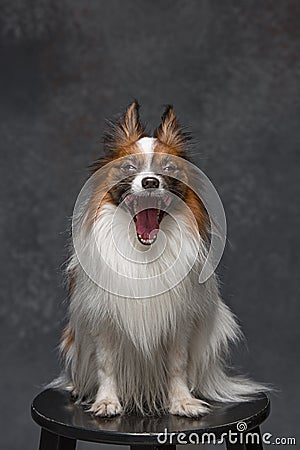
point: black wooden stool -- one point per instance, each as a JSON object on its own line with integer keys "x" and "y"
{"x": 63, "y": 423}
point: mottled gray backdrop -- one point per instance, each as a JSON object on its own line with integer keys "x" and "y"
{"x": 229, "y": 67}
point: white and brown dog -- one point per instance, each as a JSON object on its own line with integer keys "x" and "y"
{"x": 143, "y": 352}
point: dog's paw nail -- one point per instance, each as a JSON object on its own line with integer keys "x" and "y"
{"x": 106, "y": 408}
{"x": 189, "y": 407}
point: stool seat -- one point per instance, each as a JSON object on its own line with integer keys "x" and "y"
{"x": 56, "y": 412}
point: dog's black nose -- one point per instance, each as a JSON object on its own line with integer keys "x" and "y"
{"x": 150, "y": 182}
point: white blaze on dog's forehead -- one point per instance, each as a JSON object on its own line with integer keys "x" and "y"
{"x": 146, "y": 144}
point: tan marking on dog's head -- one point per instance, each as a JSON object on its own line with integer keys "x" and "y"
{"x": 119, "y": 141}
{"x": 173, "y": 139}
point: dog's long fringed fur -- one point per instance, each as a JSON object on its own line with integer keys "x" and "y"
{"x": 166, "y": 353}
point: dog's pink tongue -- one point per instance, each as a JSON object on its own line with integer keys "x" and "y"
{"x": 147, "y": 223}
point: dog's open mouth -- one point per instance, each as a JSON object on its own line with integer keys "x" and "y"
{"x": 148, "y": 212}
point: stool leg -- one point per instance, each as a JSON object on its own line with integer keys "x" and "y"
{"x": 235, "y": 446}
{"x": 48, "y": 441}
{"x": 51, "y": 441}
{"x": 66, "y": 443}
{"x": 253, "y": 440}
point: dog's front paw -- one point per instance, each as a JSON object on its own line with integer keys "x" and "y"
{"x": 106, "y": 407}
{"x": 189, "y": 407}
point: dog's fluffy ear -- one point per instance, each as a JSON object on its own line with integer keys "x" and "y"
{"x": 131, "y": 124}
{"x": 119, "y": 135}
{"x": 124, "y": 131}
{"x": 170, "y": 132}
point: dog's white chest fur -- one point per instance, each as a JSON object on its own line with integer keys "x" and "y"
{"x": 146, "y": 291}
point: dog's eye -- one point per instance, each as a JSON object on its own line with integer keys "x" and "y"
{"x": 169, "y": 168}
{"x": 129, "y": 168}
